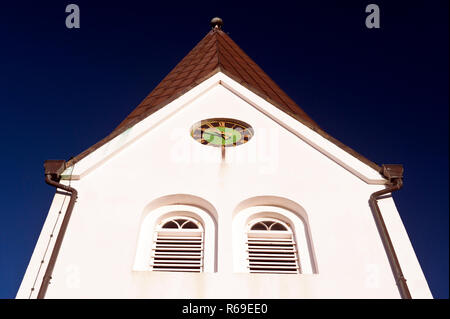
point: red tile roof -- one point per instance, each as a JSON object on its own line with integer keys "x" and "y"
{"x": 216, "y": 52}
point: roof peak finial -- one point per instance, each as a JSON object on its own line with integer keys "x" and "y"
{"x": 216, "y": 23}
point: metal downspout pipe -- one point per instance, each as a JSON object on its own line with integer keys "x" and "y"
{"x": 394, "y": 173}
{"x": 53, "y": 170}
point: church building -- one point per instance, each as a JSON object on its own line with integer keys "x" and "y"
{"x": 218, "y": 185}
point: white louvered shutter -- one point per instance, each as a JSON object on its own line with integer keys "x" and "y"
{"x": 178, "y": 249}
{"x": 271, "y": 248}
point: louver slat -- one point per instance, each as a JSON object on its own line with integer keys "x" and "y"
{"x": 181, "y": 254}
{"x": 272, "y": 255}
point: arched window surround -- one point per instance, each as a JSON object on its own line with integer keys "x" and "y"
{"x": 248, "y": 215}
{"x": 158, "y": 216}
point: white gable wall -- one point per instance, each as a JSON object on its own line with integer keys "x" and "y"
{"x": 99, "y": 250}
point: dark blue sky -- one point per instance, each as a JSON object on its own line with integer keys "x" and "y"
{"x": 382, "y": 92}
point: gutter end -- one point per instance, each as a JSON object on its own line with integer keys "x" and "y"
{"x": 392, "y": 171}
{"x": 54, "y": 167}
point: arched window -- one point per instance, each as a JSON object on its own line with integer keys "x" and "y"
{"x": 178, "y": 245}
{"x": 271, "y": 247}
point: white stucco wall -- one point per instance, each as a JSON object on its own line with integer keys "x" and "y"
{"x": 162, "y": 159}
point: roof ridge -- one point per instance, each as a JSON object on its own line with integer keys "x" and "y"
{"x": 217, "y": 46}
{"x": 251, "y": 67}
